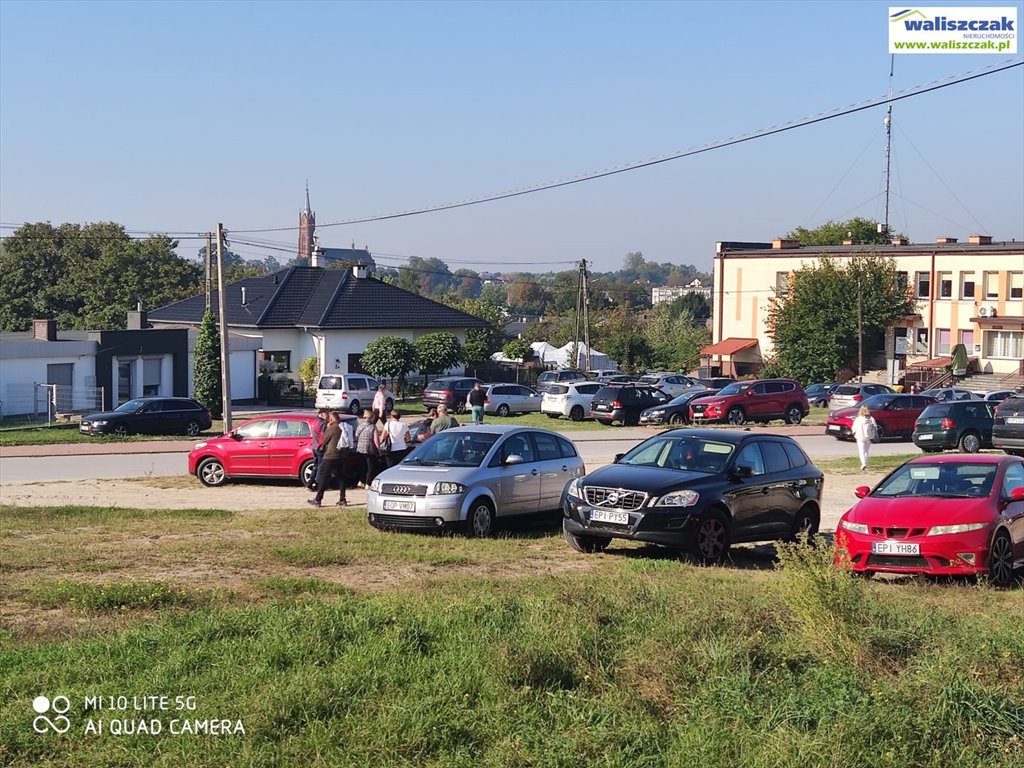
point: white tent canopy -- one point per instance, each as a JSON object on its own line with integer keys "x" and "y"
{"x": 548, "y": 354}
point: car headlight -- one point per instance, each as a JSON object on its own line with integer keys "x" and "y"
{"x": 573, "y": 489}
{"x": 448, "y": 489}
{"x": 678, "y": 499}
{"x": 375, "y": 486}
{"x": 942, "y": 530}
{"x": 99, "y": 423}
{"x": 854, "y": 527}
{"x": 198, "y": 446}
{"x": 656, "y": 412}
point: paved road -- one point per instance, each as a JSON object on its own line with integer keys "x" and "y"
{"x": 597, "y": 448}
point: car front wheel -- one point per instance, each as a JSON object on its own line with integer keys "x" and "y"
{"x": 121, "y": 430}
{"x": 736, "y": 416}
{"x": 676, "y": 419}
{"x": 710, "y": 542}
{"x": 211, "y": 473}
{"x": 1000, "y": 561}
{"x": 480, "y": 520}
{"x": 588, "y": 545}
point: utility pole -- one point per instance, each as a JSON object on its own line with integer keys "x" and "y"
{"x": 860, "y": 333}
{"x": 586, "y": 312}
{"x": 209, "y": 269}
{"x": 888, "y": 146}
{"x": 225, "y": 357}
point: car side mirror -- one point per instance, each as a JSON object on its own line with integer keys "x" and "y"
{"x": 740, "y": 472}
{"x": 514, "y": 458}
{"x": 234, "y": 435}
{"x": 1017, "y": 494}
{"x": 861, "y": 491}
{"x": 618, "y": 458}
{"x": 750, "y": 393}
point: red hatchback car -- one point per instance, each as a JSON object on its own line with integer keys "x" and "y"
{"x": 940, "y": 516}
{"x": 894, "y": 414}
{"x": 277, "y": 445}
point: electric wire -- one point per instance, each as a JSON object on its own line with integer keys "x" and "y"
{"x": 918, "y": 90}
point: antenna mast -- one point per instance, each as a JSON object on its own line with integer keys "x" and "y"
{"x": 888, "y": 145}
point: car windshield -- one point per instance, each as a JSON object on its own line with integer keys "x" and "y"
{"x": 453, "y": 448}
{"x": 650, "y": 379}
{"x": 683, "y": 452}
{"x": 736, "y": 388}
{"x": 948, "y": 480}
{"x": 131, "y": 406}
{"x": 686, "y": 397}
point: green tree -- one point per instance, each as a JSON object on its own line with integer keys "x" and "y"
{"x": 206, "y": 382}
{"x": 438, "y": 351}
{"x": 675, "y": 337}
{"x": 518, "y": 350}
{"x": 391, "y": 357}
{"x": 483, "y": 342}
{"x": 815, "y": 328}
{"x": 309, "y": 371}
{"x": 835, "y": 232}
{"x": 88, "y": 277}
{"x": 620, "y": 338}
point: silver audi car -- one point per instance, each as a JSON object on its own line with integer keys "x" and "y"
{"x": 470, "y": 477}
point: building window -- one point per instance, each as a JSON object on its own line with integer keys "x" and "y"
{"x": 921, "y": 342}
{"x": 991, "y": 285}
{"x": 151, "y": 377}
{"x": 902, "y": 346}
{"x": 943, "y": 342}
{"x": 922, "y": 281}
{"x": 782, "y": 284}
{"x": 1004, "y": 344}
{"x": 282, "y": 360}
{"x": 901, "y": 281}
{"x": 967, "y": 339}
{"x": 966, "y": 285}
{"x": 1016, "y": 282}
{"x": 945, "y": 281}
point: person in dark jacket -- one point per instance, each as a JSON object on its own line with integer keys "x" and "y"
{"x": 476, "y": 399}
{"x": 337, "y": 442}
{"x": 368, "y": 445}
{"x": 318, "y": 442}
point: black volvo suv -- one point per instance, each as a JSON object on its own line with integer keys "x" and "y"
{"x": 699, "y": 490}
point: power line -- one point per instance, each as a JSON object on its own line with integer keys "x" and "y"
{"x": 918, "y": 90}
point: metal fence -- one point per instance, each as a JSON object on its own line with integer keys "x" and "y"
{"x": 49, "y": 402}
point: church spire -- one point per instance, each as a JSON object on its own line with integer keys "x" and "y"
{"x": 307, "y": 197}
{"x": 307, "y": 231}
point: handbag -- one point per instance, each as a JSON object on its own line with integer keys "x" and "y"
{"x": 384, "y": 442}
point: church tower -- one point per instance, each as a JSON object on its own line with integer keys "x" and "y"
{"x": 307, "y": 231}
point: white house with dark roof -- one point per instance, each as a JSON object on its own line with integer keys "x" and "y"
{"x": 330, "y": 314}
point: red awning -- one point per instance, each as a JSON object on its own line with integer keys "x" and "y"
{"x": 728, "y": 347}
{"x": 935, "y": 362}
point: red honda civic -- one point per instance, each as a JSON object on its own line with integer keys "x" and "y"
{"x": 939, "y": 515}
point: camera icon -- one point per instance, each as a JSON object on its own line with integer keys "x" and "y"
{"x": 59, "y": 723}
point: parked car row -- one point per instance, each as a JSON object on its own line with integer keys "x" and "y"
{"x": 693, "y": 489}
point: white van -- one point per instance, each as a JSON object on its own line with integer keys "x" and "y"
{"x": 352, "y": 392}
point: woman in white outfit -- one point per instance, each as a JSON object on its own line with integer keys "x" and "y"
{"x": 399, "y": 433}
{"x": 864, "y": 427}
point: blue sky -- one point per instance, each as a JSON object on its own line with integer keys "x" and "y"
{"x": 174, "y": 116}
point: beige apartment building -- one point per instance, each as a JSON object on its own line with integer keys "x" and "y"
{"x": 968, "y": 293}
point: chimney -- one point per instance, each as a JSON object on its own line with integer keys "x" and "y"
{"x": 779, "y": 244}
{"x": 359, "y": 271}
{"x": 44, "y": 330}
{"x": 849, "y": 241}
{"x": 137, "y": 320}
{"x": 980, "y": 239}
{"x": 243, "y": 296}
{"x": 945, "y": 240}
{"x": 900, "y": 241}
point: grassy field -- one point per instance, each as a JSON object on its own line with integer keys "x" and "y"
{"x": 334, "y": 644}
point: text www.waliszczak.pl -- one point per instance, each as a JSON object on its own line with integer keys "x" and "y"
{"x": 954, "y": 45}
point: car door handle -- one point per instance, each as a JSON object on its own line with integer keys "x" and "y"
{"x": 565, "y": 467}
{"x": 534, "y": 471}
{"x": 264, "y": 444}
{"x": 764, "y": 489}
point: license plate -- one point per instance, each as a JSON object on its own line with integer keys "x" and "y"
{"x": 925, "y": 437}
{"x": 895, "y": 548}
{"x": 1015, "y": 419}
{"x": 400, "y": 506}
{"x": 607, "y": 516}
{"x": 834, "y": 427}
{"x": 83, "y": 427}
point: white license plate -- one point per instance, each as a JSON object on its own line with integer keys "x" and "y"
{"x": 607, "y": 516}
{"x": 400, "y": 506}
{"x": 83, "y": 427}
{"x": 895, "y": 548}
{"x": 1015, "y": 419}
{"x": 925, "y": 437}
{"x": 834, "y": 428}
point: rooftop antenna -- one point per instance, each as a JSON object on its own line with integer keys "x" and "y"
{"x": 888, "y": 145}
